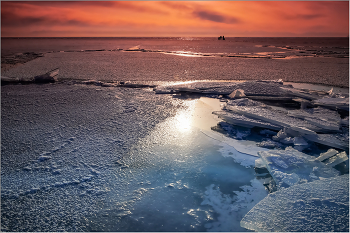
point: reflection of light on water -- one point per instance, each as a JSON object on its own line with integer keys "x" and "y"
{"x": 184, "y": 54}
{"x": 184, "y": 82}
{"x": 183, "y": 121}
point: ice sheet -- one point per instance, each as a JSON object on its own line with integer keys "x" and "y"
{"x": 290, "y": 167}
{"x": 250, "y": 88}
{"x": 319, "y": 112}
{"x": 321, "y": 117}
{"x": 321, "y": 206}
{"x": 300, "y": 93}
{"x": 245, "y": 147}
{"x": 273, "y": 116}
{"x": 332, "y": 140}
{"x": 241, "y": 120}
{"x": 342, "y": 103}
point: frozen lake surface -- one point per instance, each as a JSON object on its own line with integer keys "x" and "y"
{"x": 94, "y": 151}
{"x": 306, "y": 60}
{"x": 86, "y": 158}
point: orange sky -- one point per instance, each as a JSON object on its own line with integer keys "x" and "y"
{"x": 174, "y": 18}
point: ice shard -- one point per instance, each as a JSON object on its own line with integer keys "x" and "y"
{"x": 239, "y": 93}
{"x": 337, "y": 159}
{"x": 300, "y": 93}
{"x": 250, "y": 88}
{"x": 326, "y": 155}
{"x": 319, "y": 113}
{"x": 241, "y": 120}
{"x": 321, "y": 117}
{"x": 321, "y": 206}
{"x": 49, "y": 77}
{"x": 335, "y": 103}
{"x": 273, "y": 116}
{"x": 331, "y": 140}
{"x": 290, "y": 167}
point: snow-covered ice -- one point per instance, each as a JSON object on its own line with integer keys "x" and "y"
{"x": 115, "y": 156}
{"x": 321, "y": 206}
{"x": 85, "y": 157}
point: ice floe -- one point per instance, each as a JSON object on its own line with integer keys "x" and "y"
{"x": 340, "y": 103}
{"x": 289, "y": 167}
{"x": 321, "y": 206}
{"x": 49, "y": 77}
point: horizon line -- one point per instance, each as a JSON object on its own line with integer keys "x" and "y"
{"x": 174, "y": 36}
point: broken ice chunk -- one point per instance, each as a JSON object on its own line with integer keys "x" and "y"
{"x": 273, "y": 116}
{"x": 280, "y": 135}
{"x": 329, "y": 140}
{"x": 341, "y": 103}
{"x": 244, "y": 102}
{"x": 287, "y": 140}
{"x": 321, "y": 117}
{"x": 262, "y": 88}
{"x": 239, "y": 93}
{"x": 301, "y": 130}
{"x": 49, "y": 77}
{"x": 240, "y": 120}
{"x": 319, "y": 206}
{"x": 335, "y": 160}
{"x": 299, "y": 141}
{"x": 259, "y": 163}
{"x": 269, "y": 144}
{"x": 260, "y": 168}
{"x": 282, "y": 164}
{"x": 319, "y": 112}
{"x": 326, "y": 155}
{"x": 300, "y": 93}
{"x": 325, "y": 124}
{"x": 300, "y": 144}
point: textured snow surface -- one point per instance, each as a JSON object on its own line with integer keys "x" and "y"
{"x": 92, "y": 158}
{"x": 60, "y": 145}
{"x": 321, "y": 206}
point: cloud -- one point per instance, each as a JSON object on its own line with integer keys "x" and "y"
{"x": 61, "y": 3}
{"x": 214, "y": 17}
{"x": 9, "y": 19}
{"x": 176, "y": 5}
{"x": 303, "y": 16}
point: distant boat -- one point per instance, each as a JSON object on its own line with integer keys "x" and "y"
{"x": 221, "y": 38}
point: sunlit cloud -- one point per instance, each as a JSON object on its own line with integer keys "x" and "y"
{"x": 215, "y": 17}
{"x": 174, "y": 18}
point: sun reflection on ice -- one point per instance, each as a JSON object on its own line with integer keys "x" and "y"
{"x": 198, "y": 114}
{"x": 183, "y": 120}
